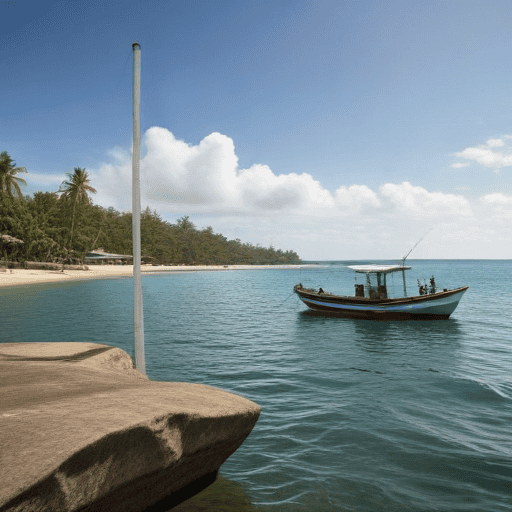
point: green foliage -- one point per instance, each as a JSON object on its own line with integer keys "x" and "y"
{"x": 9, "y": 182}
{"x": 56, "y": 228}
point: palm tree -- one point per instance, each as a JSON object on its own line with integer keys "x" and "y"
{"x": 9, "y": 182}
{"x": 76, "y": 189}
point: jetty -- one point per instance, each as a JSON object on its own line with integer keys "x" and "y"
{"x": 81, "y": 429}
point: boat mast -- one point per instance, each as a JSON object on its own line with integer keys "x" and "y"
{"x": 138, "y": 315}
{"x": 405, "y": 257}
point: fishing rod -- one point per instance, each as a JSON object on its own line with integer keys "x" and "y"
{"x": 414, "y": 247}
{"x": 288, "y": 297}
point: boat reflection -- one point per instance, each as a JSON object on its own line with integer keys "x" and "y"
{"x": 384, "y": 335}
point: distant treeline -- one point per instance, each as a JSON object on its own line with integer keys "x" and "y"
{"x": 66, "y": 225}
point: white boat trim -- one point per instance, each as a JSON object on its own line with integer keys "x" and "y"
{"x": 373, "y": 269}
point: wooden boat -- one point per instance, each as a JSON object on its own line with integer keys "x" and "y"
{"x": 371, "y": 300}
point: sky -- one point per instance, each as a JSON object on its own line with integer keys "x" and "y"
{"x": 340, "y": 130}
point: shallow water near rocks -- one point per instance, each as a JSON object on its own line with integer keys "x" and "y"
{"x": 357, "y": 415}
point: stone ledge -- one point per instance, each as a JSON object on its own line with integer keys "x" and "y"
{"x": 92, "y": 433}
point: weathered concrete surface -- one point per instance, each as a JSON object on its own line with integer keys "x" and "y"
{"x": 80, "y": 429}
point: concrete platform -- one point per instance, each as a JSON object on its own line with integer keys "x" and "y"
{"x": 80, "y": 429}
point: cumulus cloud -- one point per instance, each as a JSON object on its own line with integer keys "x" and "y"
{"x": 418, "y": 201}
{"x": 113, "y": 181}
{"x": 497, "y": 199}
{"x": 206, "y": 178}
{"x": 262, "y": 190}
{"x": 356, "y": 197}
{"x": 497, "y": 210}
{"x": 294, "y": 211}
{"x": 459, "y": 165}
{"x": 175, "y": 172}
{"x": 495, "y": 143}
{"x": 487, "y": 154}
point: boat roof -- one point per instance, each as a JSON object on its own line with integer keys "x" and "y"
{"x": 366, "y": 269}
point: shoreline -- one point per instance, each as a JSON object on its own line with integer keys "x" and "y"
{"x": 22, "y": 277}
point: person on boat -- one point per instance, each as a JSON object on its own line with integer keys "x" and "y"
{"x": 320, "y": 291}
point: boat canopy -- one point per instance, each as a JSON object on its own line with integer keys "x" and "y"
{"x": 373, "y": 269}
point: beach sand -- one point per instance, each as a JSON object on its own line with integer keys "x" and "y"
{"x": 16, "y": 277}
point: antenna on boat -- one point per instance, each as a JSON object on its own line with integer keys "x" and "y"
{"x": 414, "y": 247}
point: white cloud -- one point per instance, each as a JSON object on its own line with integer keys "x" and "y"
{"x": 419, "y": 202}
{"x": 460, "y": 165}
{"x": 44, "y": 180}
{"x": 206, "y": 177}
{"x": 174, "y": 172}
{"x": 356, "y": 197}
{"x": 113, "y": 181}
{"x": 497, "y": 210}
{"x": 495, "y": 143}
{"x": 487, "y": 155}
{"x": 260, "y": 190}
{"x": 497, "y": 199}
{"x": 294, "y": 211}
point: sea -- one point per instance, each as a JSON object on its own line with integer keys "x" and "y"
{"x": 357, "y": 415}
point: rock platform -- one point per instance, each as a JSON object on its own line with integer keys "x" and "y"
{"x": 82, "y": 430}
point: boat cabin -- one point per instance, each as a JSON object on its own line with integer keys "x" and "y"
{"x": 376, "y": 286}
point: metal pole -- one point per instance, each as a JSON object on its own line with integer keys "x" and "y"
{"x": 138, "y": 315}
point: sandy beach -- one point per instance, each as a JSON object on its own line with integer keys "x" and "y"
{"x": 16, "y": 277}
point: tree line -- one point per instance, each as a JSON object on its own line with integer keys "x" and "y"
{"x": 65, "y": 225}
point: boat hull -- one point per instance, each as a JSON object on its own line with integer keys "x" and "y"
{"x": 432, "y": 307}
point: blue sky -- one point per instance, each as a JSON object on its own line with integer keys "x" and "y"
{"x": 340, "y": 130}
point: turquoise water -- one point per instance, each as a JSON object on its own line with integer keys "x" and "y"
{"x": 357, "y": 415}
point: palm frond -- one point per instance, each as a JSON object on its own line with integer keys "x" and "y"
{"x": 9, "y": 182}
